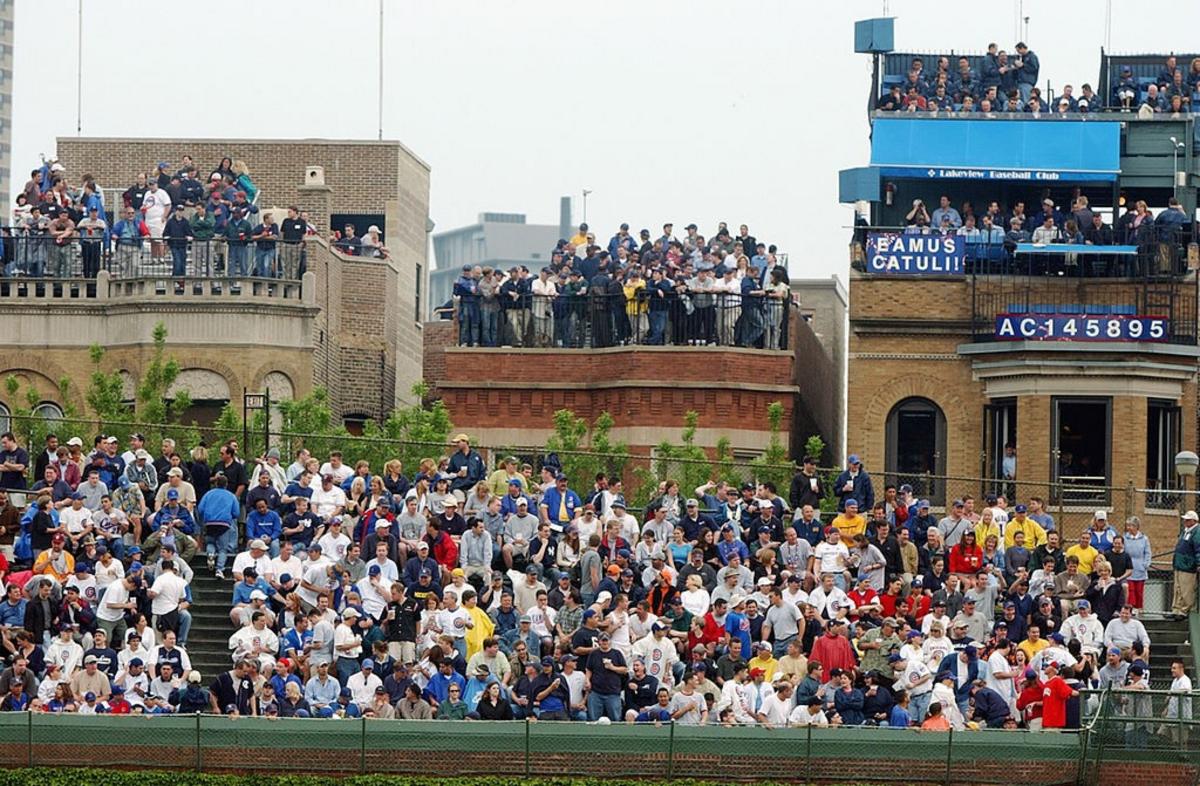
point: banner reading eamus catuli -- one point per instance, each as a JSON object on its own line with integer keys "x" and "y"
{"x": 891, "y": 253}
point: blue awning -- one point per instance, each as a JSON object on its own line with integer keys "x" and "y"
{"x": 1040, "y": 150}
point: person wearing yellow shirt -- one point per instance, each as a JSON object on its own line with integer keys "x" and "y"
{"x": 850, "y": 522}
{"x": 483, "y": 627}
{"x": 637, "y": 306}
{"x": 580, "y": 238}
{"x": 1033, "y": 643}
{"x": 986, "y": 526}
{"x": 764, "y": 660}
{"x": 498, "y": 480}
{"x": 1034, "y": 534}
{"x": 1085, "y": 552}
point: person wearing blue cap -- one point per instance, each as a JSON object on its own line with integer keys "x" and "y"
{"x": 362, "y": 683}
{"x": 854, "y": 483}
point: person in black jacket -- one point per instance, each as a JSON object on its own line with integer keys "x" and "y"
{"x": 1098, "y": 233}
{"x": 42, "y": 528}
{"x": 807, "y": 488}
{"x": 492, "y": 704}
{"x": 41, "y": 614}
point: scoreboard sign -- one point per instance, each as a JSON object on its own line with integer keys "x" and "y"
{"x": 1079, "y": 327}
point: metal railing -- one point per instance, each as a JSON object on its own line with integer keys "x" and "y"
{"x": 683, "y": 317}
{"x": 31, "y": 256}
{"x": 1149, "y": 251}
{"x": 205, "y": 743}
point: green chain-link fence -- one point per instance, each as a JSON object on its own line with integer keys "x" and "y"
{"x": 445, "y": 748}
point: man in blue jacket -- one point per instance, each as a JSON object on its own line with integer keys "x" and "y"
{"x": 854, "y": 483}
{"x": 218, "y": 511}
{"x": 964, "y": 668}
{"x": 466, "y": 289}
{"x": 1027, "y": 71}
{"x": 466, "y": 467}
{"x": 990, "y": 706}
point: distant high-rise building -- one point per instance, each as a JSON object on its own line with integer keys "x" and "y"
{"x": 6, "y": 82}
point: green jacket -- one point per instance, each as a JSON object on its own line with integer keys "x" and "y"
{"x": 1187, "y": 551}
{"x": 203, "y": 228}
{"x": 452, "y": 710}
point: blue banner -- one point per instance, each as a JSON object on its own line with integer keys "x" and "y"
{"x": 1075, "y": 327}
{"x": 897, "y": 254}
{"x": 975, "y": 173}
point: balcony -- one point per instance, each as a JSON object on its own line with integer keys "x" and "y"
{"x": 1141, "y": 291}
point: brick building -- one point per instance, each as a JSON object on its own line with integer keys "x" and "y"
{"x": 353, "y": 325}
{"x": 508, "y": 396}
{"x": 1073, "y": 362}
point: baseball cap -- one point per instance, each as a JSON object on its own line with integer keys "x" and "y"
{"x": 547, "y": 661}
{"x": 1101, "y": 514}
{"x": 374, "y": 570}
{"x": 1083, "y": 604}
{"x": 853, "y": 459}
{"x": 350, "y": 613}
{"x": 1056, "y": 637}
{"x": 89, "y": 659}
{"x": 1020, "y": 508}
{"x": 172, "y": 494}
{"x": 527, "y": 619}
{"x": 258, "y": 595}
{"x": 368, "y": 664}
{"x": 895, "y": 657}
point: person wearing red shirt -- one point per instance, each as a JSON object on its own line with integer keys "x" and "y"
{"x": 833, "y": 650}
{"x": 118, "y": 704}
{"x": 892, "y": 594}
{"x": 443, "y": 549}
{"x": 865, "y": 598}
{"x": 966, "y": 557}
{"x": 1029, "y": 701}
{"x": 1055, "y": 693}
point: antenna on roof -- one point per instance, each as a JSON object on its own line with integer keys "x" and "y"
{"x": 1107, "y": 25}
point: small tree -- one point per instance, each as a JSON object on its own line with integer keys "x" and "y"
{"x": 105, "y": 395}
{"x": 416, "y": 432}
{"x": 773, "y": 464}
{"x": 686, "y": 463}
{"x": 151, "y": 391}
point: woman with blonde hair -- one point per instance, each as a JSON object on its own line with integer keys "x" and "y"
{"x": 477, "y": 501}
{"x": 243, "y": 181}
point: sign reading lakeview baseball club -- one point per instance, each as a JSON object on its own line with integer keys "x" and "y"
{"x": 1077, "y": 327}
{"x": 895, "y": 254}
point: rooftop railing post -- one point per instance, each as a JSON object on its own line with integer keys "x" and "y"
{"x": 671, "y": 752}
{"x": 199, "y": 748}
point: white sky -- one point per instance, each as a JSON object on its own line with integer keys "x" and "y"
{"x": 683, "y": 110}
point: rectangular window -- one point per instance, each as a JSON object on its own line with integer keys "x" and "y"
{"x": 1080, "y": 446}
{"x": 1163, "y": 420}
{"x": 999, "y": 433}
{"x": 418, "y": 314}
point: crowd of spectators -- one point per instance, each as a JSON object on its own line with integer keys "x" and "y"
{"x": 1074, "y": 222}
{"x": 1006, "y": 84}
{"x": 174, "y": 220}
{"x": 730, "y": 290}
{"x": 457, "y": 592}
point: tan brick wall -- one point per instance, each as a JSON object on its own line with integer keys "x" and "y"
{"x": 904, "y": 336}
{"x": 367, "y": 340}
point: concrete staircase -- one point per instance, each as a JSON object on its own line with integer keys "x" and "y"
{"x": 209, "y": 638}
{"x": 1170, "y": 639}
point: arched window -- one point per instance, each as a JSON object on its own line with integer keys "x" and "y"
{"x": 49, "y": 411}
{"x": 5, "y": 419}
{"x": 916, "y": 447}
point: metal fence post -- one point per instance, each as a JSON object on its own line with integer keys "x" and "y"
{"x": 526, "y": 747}
{"x": 671, "y": 753}
{"x": 808, "y": 756}
{"x": 362, "y": 750}
{"x": 199, "y": 753}
{"x": 29, "y": 740}
{"x": 949, "y": 755}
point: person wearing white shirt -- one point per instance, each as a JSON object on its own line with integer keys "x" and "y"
{"x": 1179, "y": 707}
{"x": 734, "y": 696}
{"x": 387, "y": 568}
{"x": 831, "y": 557}
{"x": 629, "y": 525}
{"x": 256, "y": 641}
{"x": 75, "y": 518}
{"x": 544, "y": 292}
{"x": 828, "y": 598}
{"x": 453, "y": 621}
{"x": 809, "y": 714}
{"x": 793, "y": 594}
{"x": 936, "y": 647}
{"x": 362, "y": 683}
{"x": 334, "y": 542}
{"x": 255, "y": 556}
{"x": 376, "y": 592}
{"x": 1000, "y": 674}
{"x": 336, "y": 468}
{"x": 286, "y": 564}
{"x": 167, "y": 592}
{"x": 328, "y": 499}
{"x": 66, "y": 653}
{"x": 658, "y": 653}
{"x": 1085, "y": 627}
{"x": 777, "y": 707}
{"x": 943, "y": 693}
{"x": 110, "y": 611}
{"x": 156, "y": 206}
{"x": 107, "y": 572}
{"x": 936, "y": 616}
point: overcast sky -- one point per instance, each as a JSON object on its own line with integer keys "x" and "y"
{"x": 682, "y": 110}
